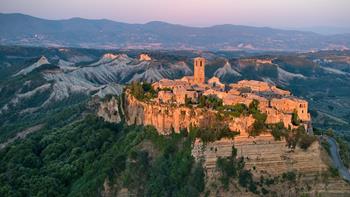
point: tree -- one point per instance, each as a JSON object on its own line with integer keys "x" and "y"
{"x": 278, "y": 131}
{"x": 295, "y": 118}
{"x": 142, "y": 90}
{"x": 254, "y": 106}
{"x": 306, "y": 141}
{"x": 229, "y": 167}
{"x": 210, "y": 101}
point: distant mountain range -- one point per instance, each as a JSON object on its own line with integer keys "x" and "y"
{"x": 19, "y": 29}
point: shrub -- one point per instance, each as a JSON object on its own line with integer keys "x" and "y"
{"x": 254, "y": 106}
{"x": 259, "y": 124}
{"x": 211, "y": 134}
{"x": 306, "y": 140}
{"x": 299, "y": 137}
{"x": 235, "y": 110}
{"x": 326, "y": 146}
{"x": 245, "y": 178}
{"x": 289, "y": 176}
{"x": 278, "y": 131}
{"x": 210, "y": 101}
{"x": 330, "y": 133}
{"x": 333, "y": 171}
{"x": 264, "y": 191}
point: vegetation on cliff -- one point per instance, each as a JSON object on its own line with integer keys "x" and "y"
{"x": 213, "y": 132}
{"x": 142, "y": 90}
{"x": 295, "y": 118}
{"x": 260, "y": 118}
{"x": 232, "y": 169}
{"x": 294, "y": 137}
{"x": 172, "y": 172}
{"x": 229, "y": 167}
{"x": 234, "y": 110}
{"x": 210, "y": 101}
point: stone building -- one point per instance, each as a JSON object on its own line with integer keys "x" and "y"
{"x": 277, "y": 104}
{"x": 199, "y": 70}
{"x": 291, "y": 104}
{"x": 214, "y": 82}
{"x": 255, "y": 86}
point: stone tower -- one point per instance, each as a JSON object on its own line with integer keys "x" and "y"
{"x": 199, "y": 70}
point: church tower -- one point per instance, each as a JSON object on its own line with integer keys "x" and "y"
{"x": 199, "y": 70}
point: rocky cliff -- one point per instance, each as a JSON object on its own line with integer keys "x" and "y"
{"x": 267, "y": 158}
{"x": 167, "y": 118}
{"x": 164, "y": 118}
{"x": 263, "y": 156}
{"x": 109, "y": 110}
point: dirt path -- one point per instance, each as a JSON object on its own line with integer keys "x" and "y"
{"x": 21, "y": 135}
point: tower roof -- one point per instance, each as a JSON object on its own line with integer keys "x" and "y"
{"x": 199, "y": 58}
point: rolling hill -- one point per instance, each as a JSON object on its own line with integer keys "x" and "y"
{"x": 19, "y": 29}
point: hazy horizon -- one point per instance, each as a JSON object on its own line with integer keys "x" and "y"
{"x": 313, "y": 15}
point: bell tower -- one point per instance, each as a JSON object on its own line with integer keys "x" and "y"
{"x": 199, "y": 70}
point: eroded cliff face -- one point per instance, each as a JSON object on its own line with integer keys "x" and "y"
{"x": 265, "y": 157}
{"x": 167, "y": 118}
{"x": 263, "y": 153}
{"x": 109, "y": 110}
{"x": 164, "y": 118}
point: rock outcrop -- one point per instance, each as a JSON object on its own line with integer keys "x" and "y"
{"x": 109, "y": 110}
{"x": 167, "y": 118}
{"x": 263, "y": 156}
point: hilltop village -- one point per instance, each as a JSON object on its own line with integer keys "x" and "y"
{"x": 278, "y": 105}
{"x": 255, "y": 122}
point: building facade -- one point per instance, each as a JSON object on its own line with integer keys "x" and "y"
{"x": 199, "y": 70}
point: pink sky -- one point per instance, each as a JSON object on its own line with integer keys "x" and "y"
{"x": 273, "y": 13}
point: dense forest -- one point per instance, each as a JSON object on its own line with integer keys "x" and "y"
{"x": 77, "y": 159}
